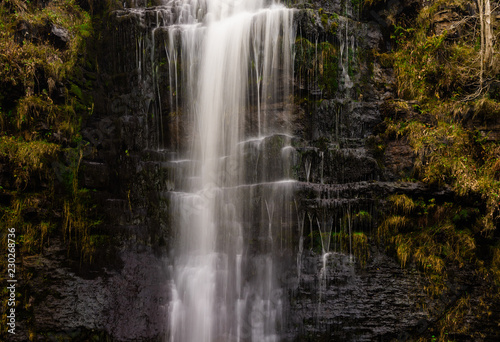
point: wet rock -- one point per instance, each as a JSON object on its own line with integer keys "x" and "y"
{"x": 96, "y": 175}
{"x": 353, "y": 304}
{"x": 59, "y": 37}
{"x": 398, "y": 159}
{"x": 49, "y": 32}
{"x": 449, "y": 20}
{"x": 127, "y": 302}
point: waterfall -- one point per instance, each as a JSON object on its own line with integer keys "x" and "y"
{"x": 228, "y": 98}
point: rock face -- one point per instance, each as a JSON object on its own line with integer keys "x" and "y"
{"x": 333, "y": 293}
{"x": 376, "y": 303}
{"x": 333, "y": 298}
{"x": 48, "y": 32}
{"x": 125, "y": 303}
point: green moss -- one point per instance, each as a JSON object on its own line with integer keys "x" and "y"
{"x": 425, "y": 233}
{"x": 27, "y": 159}
{"x": 360, "y": 248}
{"x": 324, "y": 19}
{"x": 377, "y": 146}
{"x": 443, "y": 114}
{"x": 37, "y": 125}
{"x": 448, "y": 153}
{"x": 42, "y": 102}
{"x": 77, "y": 91}
{"x": 429, "y": 65}
{"x": 317, "y": 64}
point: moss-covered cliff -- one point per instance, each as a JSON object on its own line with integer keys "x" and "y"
{"x": 47, "y": 70}
{"x": 446, "y": 112}
{"x": 397, "y": 128}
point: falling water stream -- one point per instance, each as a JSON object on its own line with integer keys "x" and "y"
{"x": 232, "y": 60}
{"x": 252, "y": 254}
{"x": 212, "y": 92}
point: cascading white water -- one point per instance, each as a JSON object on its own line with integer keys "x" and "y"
{"x": 235, "y": 61}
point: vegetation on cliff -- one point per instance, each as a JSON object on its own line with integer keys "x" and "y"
{"x": 448, "y": 111}
{"x": 43, "y": 99}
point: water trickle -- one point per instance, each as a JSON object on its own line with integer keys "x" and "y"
{"x": 321, "y": 165}
{"x": 325, "y": 230}
{"x": 322, "y": 278}
{"x": 301, "y": 217}
{"x": 349, "y": 225}
{"x": 344, "y": 60}
{"x": 310, "y": 216}
{"x": 307, "y": 166}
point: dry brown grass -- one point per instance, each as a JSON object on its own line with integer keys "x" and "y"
{"x": 390, "y": 226}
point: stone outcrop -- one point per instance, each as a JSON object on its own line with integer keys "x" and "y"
{"x": 49, "y": 32}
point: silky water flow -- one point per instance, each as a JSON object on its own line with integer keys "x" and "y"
{"x": 230, "y": 201}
